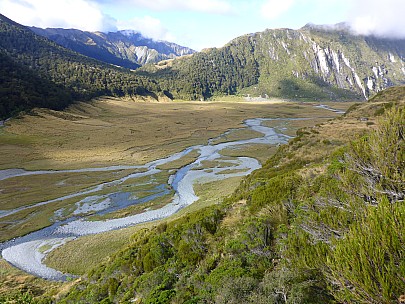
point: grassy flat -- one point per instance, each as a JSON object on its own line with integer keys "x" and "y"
{"x": 110, "y": 132}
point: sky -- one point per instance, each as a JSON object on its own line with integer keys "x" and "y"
{"x": 200, "y": 24}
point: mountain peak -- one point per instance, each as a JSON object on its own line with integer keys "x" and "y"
{"x": 342, "y": 26}
{"x": 126, "y": 48}
{"x": 129, "y": 33}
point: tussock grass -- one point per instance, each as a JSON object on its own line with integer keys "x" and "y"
{"x": 239, "y": 134}
{"x": 31, "y": 188}
{"x": 259, "y": 151}
{"x": 114, "y": 131}
{"x": 12, "y": 278}
{"x": 111, "y": 131}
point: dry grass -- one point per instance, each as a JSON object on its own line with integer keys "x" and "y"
{"x": 239, "y": 134}
{"x": 31, "y": 189}
{"x": 110, "y": 132}
{"x": 15, "y": 279}
{"x": 114, "y": 131}
{"x": 81, "y": 255}
{"x": 261, "y": 152}
{"x": 184, "y": 161}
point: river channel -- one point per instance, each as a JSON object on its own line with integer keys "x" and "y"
{"x": 28, "y": 252}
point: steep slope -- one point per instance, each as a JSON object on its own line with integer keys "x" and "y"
{"x": 22, "y": 89}
{"x": 53, "y": 68}
{"x": 124, "y": 48}
{"x": 321, "y": 216}
{"x": 313, "y": 62}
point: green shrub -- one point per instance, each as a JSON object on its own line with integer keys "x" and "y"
{"x": 368, "y": 265}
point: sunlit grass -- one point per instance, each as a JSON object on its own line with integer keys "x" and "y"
{"x": 110, "y": 132}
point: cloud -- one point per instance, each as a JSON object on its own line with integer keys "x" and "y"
{"x": 148, "y": 26}
{"x": 273, "y": 9}
{"x": 81, "y": 14}
{"x": 204, "y": 6}
{"x": 379, "y": 18}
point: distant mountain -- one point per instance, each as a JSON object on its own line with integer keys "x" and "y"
{"x": 36, "y": 72}
{"x": 124, "y": 48}
{"x": 323, "y": 62}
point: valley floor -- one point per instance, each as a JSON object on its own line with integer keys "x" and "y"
{"x": 116, "y": 132}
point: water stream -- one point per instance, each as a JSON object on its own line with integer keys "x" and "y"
{"x": 27, "y": 252}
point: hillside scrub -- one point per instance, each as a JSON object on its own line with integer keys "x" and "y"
{"x": 352, "y": 231}
{"x": 309, "y": 227}
{"x": 285, "y": 235}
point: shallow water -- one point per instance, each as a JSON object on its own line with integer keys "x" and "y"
{"x": 25, "y": 252}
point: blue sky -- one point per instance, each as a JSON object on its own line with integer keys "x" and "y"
{"x": 207, "y": 23}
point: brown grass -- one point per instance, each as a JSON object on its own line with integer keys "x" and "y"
{"x": 108, "y": 132}
{"x": 15, "y": 279}
{"x": 114, "y": 131}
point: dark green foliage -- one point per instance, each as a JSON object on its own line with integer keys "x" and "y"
{"x": 274, "y": 193}
{"x": 378, "y": 160}
{"x": 224, "y": 70}
{"x": 44, "y": 74}
{"x": 368, "y": 265}
{"x": 18, "y": 297}
{"x": 22, "y": 89}
{"x": 352, "y": 230}
{"x": 284, "y": 285}
{"x": 302, "y": 64}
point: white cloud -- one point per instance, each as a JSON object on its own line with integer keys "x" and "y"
{"x": 272, "y": 9}
{"x": 381, "y": 18}
{"x": 148, "y": 26}
{"x": 204, "y": 6}
{"x": 80, "y": 14}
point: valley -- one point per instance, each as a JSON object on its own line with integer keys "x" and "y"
{"x": 125, "y": 182}
{"x": 268, "y": 170}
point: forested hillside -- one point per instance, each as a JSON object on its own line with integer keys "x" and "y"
{"x": 321, "y": 222}
{"x": 46, "y": 74}
{"x": 22, "y": 88}
{"x": 309, "y": 63}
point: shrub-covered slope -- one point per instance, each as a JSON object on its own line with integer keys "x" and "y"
{"x": 321, "y": 222}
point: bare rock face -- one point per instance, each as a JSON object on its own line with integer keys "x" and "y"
{"x": 365, "y": 65}
{"x": 124, "y": 48}
{"x": 314, "y": 62}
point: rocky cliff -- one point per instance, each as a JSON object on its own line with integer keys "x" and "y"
{"x": 124, "y": 48}
{"x": 312, "y": 62}
{"x": 365, "y": 65}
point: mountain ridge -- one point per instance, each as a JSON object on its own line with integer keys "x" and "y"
{"x": 312, "y": 62}
{"x": 45, "y": 74}
{"x": 126, "y": 48}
